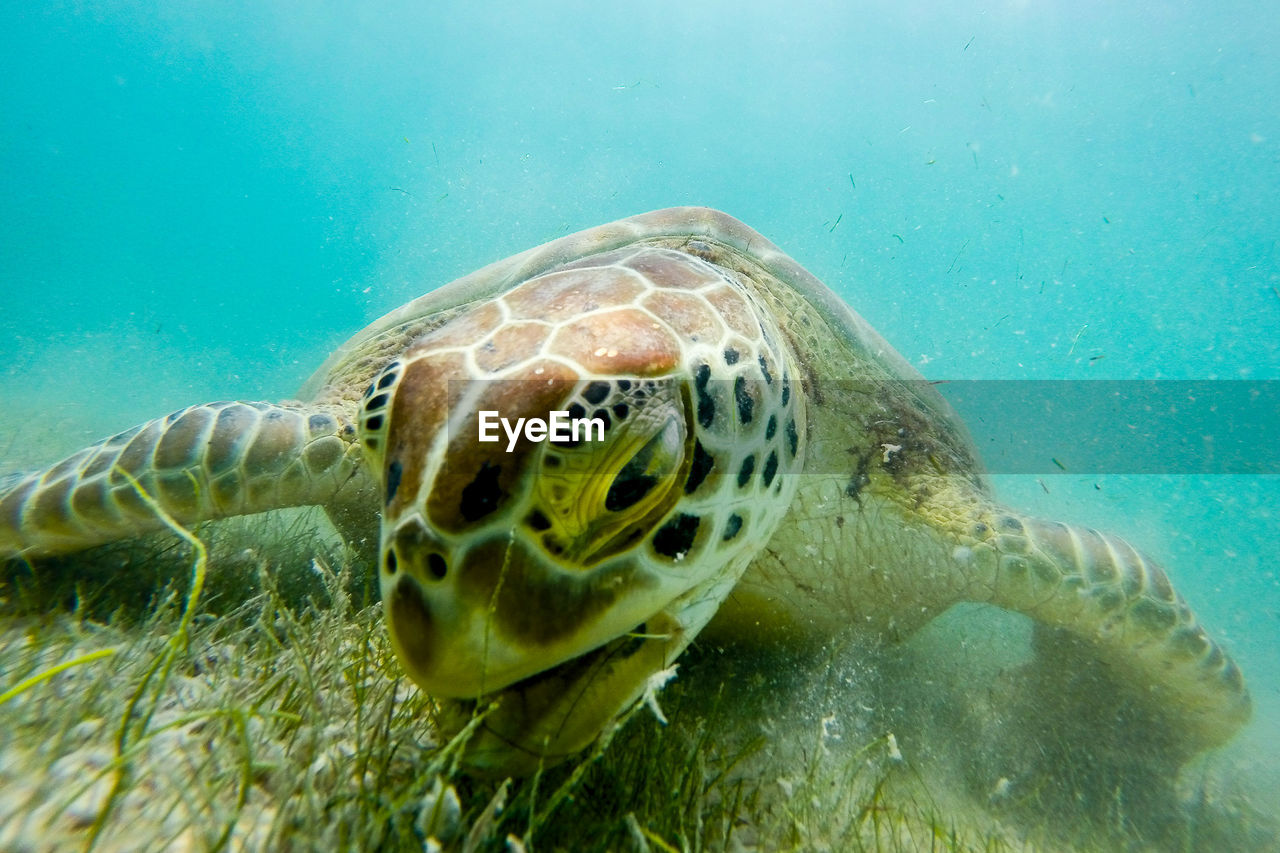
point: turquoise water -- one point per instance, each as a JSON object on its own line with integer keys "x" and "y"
{"x": 200, "y": 201}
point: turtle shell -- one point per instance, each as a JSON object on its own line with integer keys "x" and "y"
{"x": 697, "y": 230}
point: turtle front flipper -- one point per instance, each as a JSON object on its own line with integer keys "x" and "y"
{"x": 200, "y": 463}
{"x": 892, "y": 555}
{"x": 1098, "y": 588}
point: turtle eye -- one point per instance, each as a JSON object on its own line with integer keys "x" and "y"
{"x": 598, "y": 497}
{"x": 657, "y": 463}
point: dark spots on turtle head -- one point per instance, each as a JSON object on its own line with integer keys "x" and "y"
{"x": 786, "y": 389}
{"x": 481, "y": 496}
{"x": 368, "y": 392}
{"x": 764, "y": 368}
{"x": 675, "y": 538}
{"x": 771, "y": 428}
{"x": 746, "y": 470}
{"x": 387, "y": 379}
{"x": 537, "y": 521}
{"x": 1009, "y": 524}
{"x": 699, "y": 468}
{"x": 702, "y": 376}
{"x": 602, "y": 415}
{"x": 706, "y": 405}
{"x": 706, "y": 411}
{"x": 374, "y": 423}
{"x": 621, "y": 410}
{"x": 624, "y": 384}
{"x": 394, "y": 471}
{"x": 742, "y": 395}
{"x": 376, "y": 402}
{"x": 793, "y": 438}
{"x": 390, "y": 562}
{"x": 732, "y": 527}
{"x": 596, "y": 392}
{"x": 437, "y": 567}
{"x": 730, "y": 356}
{"x": 770, "y": 469}
{"x": 575, "y": 412}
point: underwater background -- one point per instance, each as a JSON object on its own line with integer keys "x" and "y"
{"x": 201, "y": 200}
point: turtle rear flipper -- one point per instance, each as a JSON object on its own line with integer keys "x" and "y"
{"x": 200, "y": 463}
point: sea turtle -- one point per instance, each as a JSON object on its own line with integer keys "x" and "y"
{"x": 752, "y": 454}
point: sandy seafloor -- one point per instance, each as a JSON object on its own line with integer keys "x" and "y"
{"x": 199, "y": 203}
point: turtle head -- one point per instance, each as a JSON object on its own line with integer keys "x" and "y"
{"x": 514, "y": 532}
{"x": 553, "y": 525}
{"x": 521, "y": 531}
